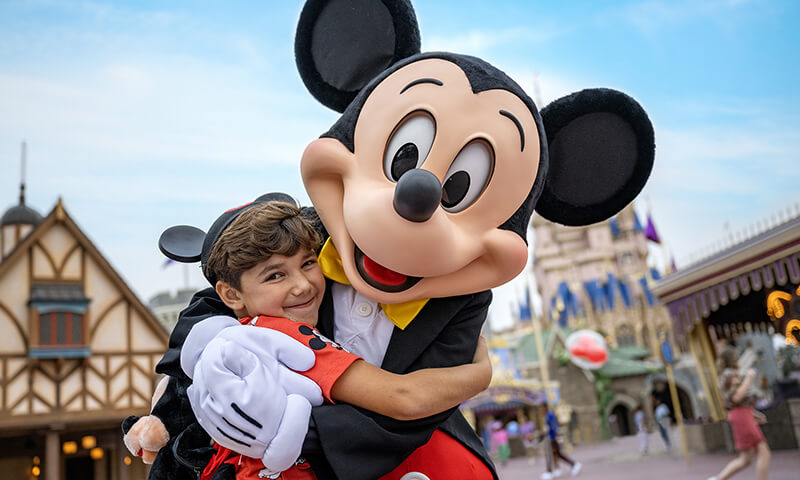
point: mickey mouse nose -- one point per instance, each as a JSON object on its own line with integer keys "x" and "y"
{"x": 417, "y": 195}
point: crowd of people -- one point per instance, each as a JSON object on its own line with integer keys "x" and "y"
{"x": 498, "y": 437}
{"x": 741, "y": 392}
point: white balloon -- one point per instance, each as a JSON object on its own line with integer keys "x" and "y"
{"x": 590, "y": 339}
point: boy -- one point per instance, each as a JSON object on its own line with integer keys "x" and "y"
{"x": 266, "y": 271}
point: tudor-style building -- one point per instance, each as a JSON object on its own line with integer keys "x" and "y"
{"x": 77, "y": 352}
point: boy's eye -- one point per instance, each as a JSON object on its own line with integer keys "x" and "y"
{"x": 273, "y": 276}
{"x": 310, "y": 262}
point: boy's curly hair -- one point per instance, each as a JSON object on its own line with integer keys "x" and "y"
{"x": 274, "y": 228}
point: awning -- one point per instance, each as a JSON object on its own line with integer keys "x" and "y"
{"x": 769, "y": 260}
{"x": 50, "y": 297}
{"x": 504, "y": 397}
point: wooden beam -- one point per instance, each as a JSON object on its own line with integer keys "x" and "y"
{"x": 702, "y": 374}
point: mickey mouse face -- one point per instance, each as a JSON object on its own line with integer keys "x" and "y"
{"x": 473, "y": 157}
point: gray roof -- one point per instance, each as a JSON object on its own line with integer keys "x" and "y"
{"x": 57, "y": 293}
{"x": 21, "y": 215}
{"x": 180, "y": 298}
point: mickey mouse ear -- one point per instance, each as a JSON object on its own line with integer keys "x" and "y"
{"x": 182, "y": 243}
{"x": 276, "y": 197}
{"x": 341, "y": 45}
{"x": 601, "y": 148}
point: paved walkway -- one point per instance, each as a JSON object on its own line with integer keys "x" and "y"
{"x": 619, "y": 459}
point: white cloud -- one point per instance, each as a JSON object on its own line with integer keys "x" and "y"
{"x": 476, "y": 42}
{"x": 652, "y": 16}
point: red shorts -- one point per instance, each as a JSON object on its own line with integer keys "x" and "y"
{"x": 440, "y": 459}
{"x": 746, "y": 432}
{"x": 248, "y": 468}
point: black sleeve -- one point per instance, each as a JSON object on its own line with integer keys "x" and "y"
{"x": 204, "y": 304}
{"x": 362, "y": 445}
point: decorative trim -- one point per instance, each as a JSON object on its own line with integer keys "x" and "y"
{"x": 37, "y": 352}
{"x": 694, "y": 308}
{"x": 17, "y": 323}
{"x": 755, "y": 252}
{"x": 60, "y": 270}
{"x": 102, "y": 317}
{"x": 49, "y": 258}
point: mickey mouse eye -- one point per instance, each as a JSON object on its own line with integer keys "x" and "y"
{"x": 409, "y": 145}
{"x": 467, "y": 177}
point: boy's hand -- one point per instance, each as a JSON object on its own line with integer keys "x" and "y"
{"x": 246, "y": 398}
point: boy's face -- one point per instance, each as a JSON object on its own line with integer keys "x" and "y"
{"x": 281, "y": 286}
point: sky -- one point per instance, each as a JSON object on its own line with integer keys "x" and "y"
{"x": 142, "y": 115}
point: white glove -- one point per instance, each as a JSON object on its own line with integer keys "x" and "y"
{"x": 199, "y": 336}
{"x": 249, "y": 401}
{"x": 277, "y": 351}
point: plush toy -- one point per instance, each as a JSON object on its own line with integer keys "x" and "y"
{"x": 426, "y": 185}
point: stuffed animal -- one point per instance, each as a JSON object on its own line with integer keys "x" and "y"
{"x": 426, "y": 185}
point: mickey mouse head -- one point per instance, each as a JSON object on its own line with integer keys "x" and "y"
{"x": 317, "y": 341}
{"x": 427, "y": 182}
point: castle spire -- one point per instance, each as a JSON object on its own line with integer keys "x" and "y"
{"x": 22, "y": 175}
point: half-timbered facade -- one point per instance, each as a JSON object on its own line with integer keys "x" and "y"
{"x": 77, "y": 353}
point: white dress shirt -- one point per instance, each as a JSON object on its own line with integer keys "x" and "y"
{"x": 359, "y": 324}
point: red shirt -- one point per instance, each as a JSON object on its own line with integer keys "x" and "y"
{"x": 332, "y": 359}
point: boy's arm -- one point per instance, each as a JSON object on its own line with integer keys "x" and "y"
{"x": 361, "y": 445}
{"x": 414, "y": 395}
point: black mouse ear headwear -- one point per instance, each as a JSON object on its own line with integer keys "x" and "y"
{"x": 340, "y": 45}
{"x": 187, "y": 244}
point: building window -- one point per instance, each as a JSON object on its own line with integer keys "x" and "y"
{"x": 625, "y": 335}
{"x": 61, "y": 329}
{"x": 59, "y": 321}
{"x": 627, "y": 259}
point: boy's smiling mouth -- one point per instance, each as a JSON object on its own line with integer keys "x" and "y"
{"x": 306, "y": 304}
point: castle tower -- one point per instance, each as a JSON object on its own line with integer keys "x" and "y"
{"x": 18, "y": 221}
{"x": 597, "y": 277}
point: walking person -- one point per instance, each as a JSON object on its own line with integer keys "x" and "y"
{"x": 662, "y": 420}
{"x": 552, "y": 430}
{"x": 641, "y": 427}
{"x": 499, "y": 441}
{"x": 572, "y": 425}
{"x": 739, "y": 398}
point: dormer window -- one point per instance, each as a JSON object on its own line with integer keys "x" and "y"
{"x": 59, "y": 325}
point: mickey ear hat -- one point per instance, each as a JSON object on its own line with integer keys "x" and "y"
{"x": 187, "y": 244}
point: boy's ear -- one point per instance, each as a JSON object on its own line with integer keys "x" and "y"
{"x": 229, "y": 296}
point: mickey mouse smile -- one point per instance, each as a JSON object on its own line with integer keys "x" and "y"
{"x": 380, "y": 277}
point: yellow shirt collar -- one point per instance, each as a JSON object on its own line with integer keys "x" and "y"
{"x": 400, "y": 314}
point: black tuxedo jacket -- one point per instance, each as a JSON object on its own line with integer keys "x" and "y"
{"x": 351, "y": 443}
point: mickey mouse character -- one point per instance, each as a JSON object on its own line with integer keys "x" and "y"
{"x": 426, "y": 185}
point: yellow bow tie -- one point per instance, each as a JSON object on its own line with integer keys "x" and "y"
{"x": 400, "y": 314}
